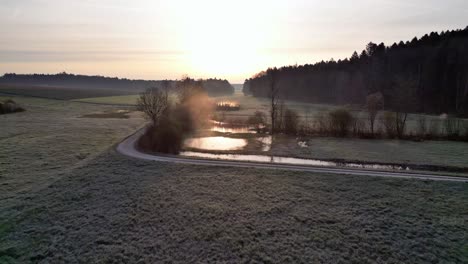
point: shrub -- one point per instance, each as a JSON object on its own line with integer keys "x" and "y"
{"x": 10, "y": 106}
{"x": 421, "y": 128}
{"x": 389, "y": 124}
{"x": 291, "y": 122}
{"x": 183, "y": 117}
{"x": 171, "y": 124}
{"x": 258, "y": 119}
{"x": 340, "y": 122}
{"x": 434, "y": 128}
{"x": 359, "y": 127}
{"x": 465, "y": 128}
{"x": 322, "y": 124}
{"x": 452, "y": 126}
{"x": 167, "y": 137}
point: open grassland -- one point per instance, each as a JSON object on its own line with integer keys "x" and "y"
{"x": 440, "y": 153}
{"x": 117, "y": 209}
{"x": 60, "y": 92}
{"x": 309, "y": 113}
{"x": 67, "y": 196}
{"x": 52, "y": 137}
{"x": 121, "y": 99}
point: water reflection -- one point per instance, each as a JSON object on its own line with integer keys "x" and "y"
{"x": 266, "y": 143}
{"x": 233, "y": 130}
{"x": 216, "y": 143}
{"x": 287, "y": 160}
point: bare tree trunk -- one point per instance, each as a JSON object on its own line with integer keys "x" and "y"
{"x": 274, "y": 102}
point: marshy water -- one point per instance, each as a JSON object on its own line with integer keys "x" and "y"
{"x": 225, "y": 143}
{"x": 216, "y": 143}
{"x": 288, "y": 160}
{"x": 232, "y": 130}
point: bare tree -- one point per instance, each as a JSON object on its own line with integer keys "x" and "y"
{"x": 374, "y": 103}
{"x": 154, "y": 103}
{"x": 280, "y": 116}
{"x": 404, "y": 102}
{"x": 274, "y": 99}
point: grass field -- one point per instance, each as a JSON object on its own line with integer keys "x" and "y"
{"x": 121, "y": 99}
{"x": 67, "y": 196}
{"x": 308, "y": 112}
{"x": 49, "y": 140}
{"x": 440, "y": 153}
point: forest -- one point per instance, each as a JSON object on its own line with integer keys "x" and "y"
{"x": 213, "y": 86}
{"x": 427, "y": 75}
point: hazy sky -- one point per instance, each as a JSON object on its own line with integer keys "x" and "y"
{"x": 153, "y": 39}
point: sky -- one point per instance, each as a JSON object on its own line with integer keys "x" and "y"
{"x": 155, "y": 39}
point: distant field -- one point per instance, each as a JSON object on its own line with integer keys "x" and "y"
{"x": 308, "y": 112}
{"x": 52, "y": 136}
{"x": 121, "y": 99}
{"x": 59, "y": 92}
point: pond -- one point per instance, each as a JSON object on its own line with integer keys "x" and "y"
{"x": 216, "y": 143}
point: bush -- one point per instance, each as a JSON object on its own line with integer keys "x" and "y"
{"x": 452, "y": 126}
{"x": 172, "y": 123}
{"x": 10, "y": 106}
{"x": 421, "y": 129}
{"x": 321, "y": 124}
{"x": 167, "y": 137}
{"x": 390, "y": 124}
{"x": 359, "y": 128}
{"x": 434, "y": 128}
{"x": 340, "y": 122}
{"x": 465, "y": 128}
{"x": 183, "y": 118}
{"x": 258, "y": 120}
{"x": 291, "y": 122}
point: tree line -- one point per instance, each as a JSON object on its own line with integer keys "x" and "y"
{"x": 427, "y": 75}
{"x": 213, "y": 86}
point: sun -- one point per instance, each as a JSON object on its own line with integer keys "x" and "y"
{"x": 219, "y": 57}
{"x": 219, "y": 43}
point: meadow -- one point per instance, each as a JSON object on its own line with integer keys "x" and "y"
{"x": 308, "y": 112}
{"x": 67, "y": 196}
{"x": 60, "y": 93}
{"x": 431, "y": 152}
{"x": 436, "y": 153}
{"x": 118, "y": 99}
